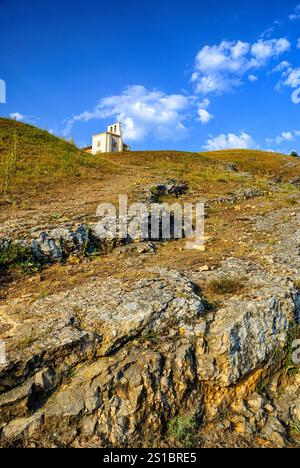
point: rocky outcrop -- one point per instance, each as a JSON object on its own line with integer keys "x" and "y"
{"x": 56, "y": 244}
{"x": 113, "y": 361}
{"x": 231, "y": 167}
{"x": 101, "y": 333}
{"x": 170, "y": 188}
{"x": 239, "y": 196}
{"x": 117, "y": 360}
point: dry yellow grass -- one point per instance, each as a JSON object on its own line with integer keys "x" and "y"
{"x": 55, "y": 181}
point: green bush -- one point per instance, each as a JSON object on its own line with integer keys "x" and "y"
{"x": 18, "y": 256}
{"x": 183, "y": 430}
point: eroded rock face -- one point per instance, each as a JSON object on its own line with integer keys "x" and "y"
{"x": 117, "y": 360}
{"x": 112, "y": 362}
{"x": 111, "y": 323}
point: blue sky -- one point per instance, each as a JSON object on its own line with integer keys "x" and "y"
{"x": 185, "y": 75}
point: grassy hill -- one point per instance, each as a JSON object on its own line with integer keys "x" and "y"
{"x": 55, "y": 184}
{"x": 32, "y": 160}
{"x": 40, "y": 158}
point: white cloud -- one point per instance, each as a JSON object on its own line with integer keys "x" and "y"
{"x": 296, "y": 13}
{"x": 252, "y": 78}
{"x": 265, "y": 50}
{"x": 293, "y": 76}
{"x": 204, "y": 104}
{"x": 269, "y": 31}
{"x": 17, "y": 116}
{"x": 281, "y": 67}
{"x": 284, "y": 137}
{"x": 290, "y": 77}
{"x": 219, "y": 68}
{"x": 230, "y": 141}
{"x": 143, "y": 113}
{"x": 204, "y": 116}
{"x": 23, "y": 118}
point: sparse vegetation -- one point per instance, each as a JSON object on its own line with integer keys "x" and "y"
{"x": 28, "y": 341}
{"x": 262, "y": 388}
{"x": 9, "y": 166}
{"x": 183, "y": 430}
{"x": 149, "y": 337}
{"x": 226, "y": 286}
{"x": 290, "y": 367}
{"x": 296, "y": 427}
{"x": 66, "y": 185}
{"x": 32, "y": 158}
{"x": 48, "y": 163}
{"x": 55, "y": 216}
{"x": 15, "y": 255}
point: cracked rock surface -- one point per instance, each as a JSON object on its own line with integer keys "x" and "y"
{"x": 112, "y": 361}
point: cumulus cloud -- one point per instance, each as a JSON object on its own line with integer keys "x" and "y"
{"x": 220, "y": 68}
{"x": 284, "y": 137}
{"x": 281, "y": 67}
{"x": 23, "y": 118}
{"x": 265, "y": 50}
{"x": 143, "y": 113}
{"x": 295, "y": 15}
{"x": 204, "y": 116}
{"x": 252, "y": 78}
{"x": 290, "y": 77}
{"x": 17, "y": 116}
{"x": 230, "y": 141}
{"x": 204, "y": 104}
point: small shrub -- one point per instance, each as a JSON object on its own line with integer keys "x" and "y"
{"x": 262, "y": 388}
{"x": 55, "y": 216}
{"x": 291, "y": 201}
{"x": 18, "y": 256}
{"x": 225, "y": 286}
{"x": 183, "y": 429}
{"x": 28, "y": 341}
{"x": 290, "y": 367}
{"x": 296, "y": 427}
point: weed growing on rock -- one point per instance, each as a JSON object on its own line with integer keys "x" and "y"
{"x": 290, "y": 367}
{"x": 18, "y": 256}
{"x": 183, "y": 430}
{"x": 296, "y": 427}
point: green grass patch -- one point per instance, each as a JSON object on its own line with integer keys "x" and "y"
{"x": 183, "y": 430}
{"x": 17, "y": 256}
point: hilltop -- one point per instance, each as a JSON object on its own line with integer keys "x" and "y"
{"x": 46, "y": 164}
{"x": 214, "y": 328}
